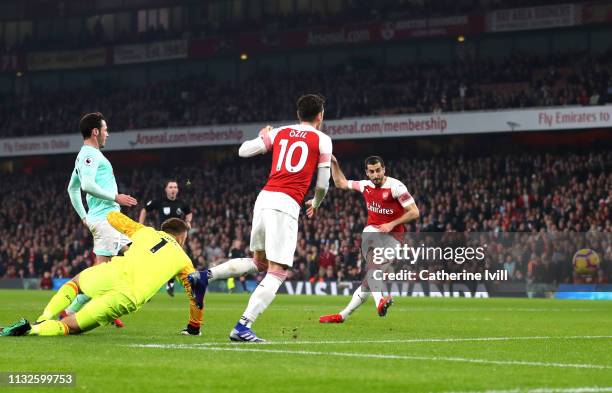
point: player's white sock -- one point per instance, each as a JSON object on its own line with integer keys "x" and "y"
{"x": 377, "y": 295}
{"x": 232, "y": 268}
{"x": 359, "y": 297}
{"x": 79, "y": 301}
{"x": 262, "y": 296}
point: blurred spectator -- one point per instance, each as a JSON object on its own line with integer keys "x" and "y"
{"x": 46, "y": 282}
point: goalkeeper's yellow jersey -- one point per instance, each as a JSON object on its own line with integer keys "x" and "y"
{"x": 153, "y": 258}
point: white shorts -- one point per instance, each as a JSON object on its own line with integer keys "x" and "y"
{"x": 373, "y": 238}
{"x": 274, "y": 232}
{"x": 107, "y": 240}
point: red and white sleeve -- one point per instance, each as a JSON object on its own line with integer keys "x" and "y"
{"x": 268, "y": 138}
{"x": 400, "y": 192}
{"x": 357, "y": 185}
{"x": 325, "y": 151}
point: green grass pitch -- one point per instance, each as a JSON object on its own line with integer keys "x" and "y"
{"x": 423, "y": 345}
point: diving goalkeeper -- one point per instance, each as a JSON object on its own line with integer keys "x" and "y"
{"x": 123, "y": 285}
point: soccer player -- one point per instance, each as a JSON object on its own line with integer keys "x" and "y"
{"x": 93, "y": 174}
{"x": 297, "y": 151}
{"x": 390, "y": 206}
{"x": 121, "y": 286}
{"x": 168, "y": 207}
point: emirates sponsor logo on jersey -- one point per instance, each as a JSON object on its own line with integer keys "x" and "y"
{"x": 376, "y": 208}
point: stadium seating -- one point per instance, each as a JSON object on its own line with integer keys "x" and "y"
{"x": 515, "y": 82}
{"x": 39, "y": 232}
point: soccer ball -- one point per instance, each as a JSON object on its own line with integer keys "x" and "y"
{"x": 586, "y": 261}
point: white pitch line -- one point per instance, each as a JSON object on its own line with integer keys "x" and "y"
{"x": 397, "y": 308}
{"x": 410, "y": 340}
{"x": 484, "y": 309}
{"x": 376, "y": 356}
{"x": 594, "y": 389}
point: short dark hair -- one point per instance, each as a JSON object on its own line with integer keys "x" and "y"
{"x": 168, "y": 181}
{"x": 309, "y": 106}
{"x": 175, "y": 227}
{"x": 89, "y": 122}
{"x": 373, "y": 160}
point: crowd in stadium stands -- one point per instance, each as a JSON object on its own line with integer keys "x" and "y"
{"x": 515, "y": 82}
{"x": 356, "y": 11}
{"x": 543, "y": 195}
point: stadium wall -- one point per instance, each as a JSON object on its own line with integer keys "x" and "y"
{"x": 544, "y": 119}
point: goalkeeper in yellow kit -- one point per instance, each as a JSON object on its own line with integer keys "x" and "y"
{"x": 123, "y": 285}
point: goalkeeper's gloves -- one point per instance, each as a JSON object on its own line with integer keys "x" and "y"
{"x": 191, "y": 330}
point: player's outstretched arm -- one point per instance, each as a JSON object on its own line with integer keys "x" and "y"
{"x": 74, "y": 192}
{"x": 337, "y": 174}
{"x": 259, "y": 145}
{"x": 123, "y": 223}
{"x": 196, "y": 314}
{"x": 323, "y": 175}
{"x": 143, "y": 216}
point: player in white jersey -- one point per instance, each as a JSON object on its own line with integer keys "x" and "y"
{"x": 298, "y": 150}
{"x": 390, "y": 206}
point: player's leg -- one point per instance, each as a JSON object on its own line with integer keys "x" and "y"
{"x": 58, "y": 302}
{"x": 260, "y": 299}
{"x": 66, "y": 326}
{"x": 62, "y": 299}
{"x": 373, "y": 286}
{"x": 99, "y": 311}
{"x": 280, "y": 239}
{"x": 124, "y": 243}
{"x": 103, "y": 250}
{"x": 73, "y": 324}
{"x": 373, "y": 238}
{"x": 265, "y": 292}
{"x": 100, "y": 283}
{"x": 363, "y": 292}
{"x": 239, "y": 266}
{"x": 234, "y": 267}
{"x": 359, "y": 297}
{"x": 108, "y": 242}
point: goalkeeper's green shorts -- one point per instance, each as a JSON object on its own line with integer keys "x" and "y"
{"x": 110, "y": 296}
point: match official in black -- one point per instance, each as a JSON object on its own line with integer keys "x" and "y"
{"x": 168, "y": 207}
